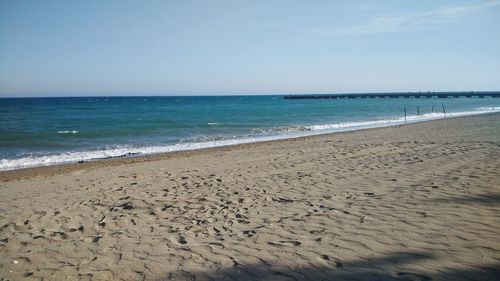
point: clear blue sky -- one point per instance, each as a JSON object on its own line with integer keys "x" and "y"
{"x": 54, "y": 48}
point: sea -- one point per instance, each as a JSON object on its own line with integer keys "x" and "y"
{"x": 49, "y": 131}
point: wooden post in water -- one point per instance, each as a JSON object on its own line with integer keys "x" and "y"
{"x": 444, "y": 110}
{"x": 405, "y": 114}
{"x": 418, "y": 110}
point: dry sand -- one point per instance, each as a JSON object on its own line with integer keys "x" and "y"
{"x": 415, "y": 202}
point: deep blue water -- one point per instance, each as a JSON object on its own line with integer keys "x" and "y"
{"x": 44, "y": 131}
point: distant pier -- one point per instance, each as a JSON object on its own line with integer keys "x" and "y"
{"x": 442, "y": 95}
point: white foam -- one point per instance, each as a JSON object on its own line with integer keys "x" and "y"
{"x": 283, "y": 133}
{"x": 73, "y": 157}
{"x": 338, "y": 127}
{"x": 488, "y": 108}
{"x": 67, "y": 132}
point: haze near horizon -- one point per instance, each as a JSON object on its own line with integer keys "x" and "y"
{"x": 70, "y": 48}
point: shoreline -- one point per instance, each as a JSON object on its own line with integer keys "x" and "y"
{"x": 49, "y": 170}
{"x": 416, "y": 202}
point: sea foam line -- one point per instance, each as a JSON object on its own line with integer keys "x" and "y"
{"x": 74, "y": 157}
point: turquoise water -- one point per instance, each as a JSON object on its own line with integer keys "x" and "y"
{"x": 46, "y": 131}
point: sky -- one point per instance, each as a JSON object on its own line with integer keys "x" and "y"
{"x": 104, "y": 47}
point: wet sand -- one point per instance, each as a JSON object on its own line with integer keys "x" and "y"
{"x": 414, "y": 202}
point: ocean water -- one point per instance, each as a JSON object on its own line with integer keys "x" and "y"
{"x": 48, "y": 131}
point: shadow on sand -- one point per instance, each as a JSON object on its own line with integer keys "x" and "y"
{"x": 484, "y": 199}
{"x": 393, "y": 266}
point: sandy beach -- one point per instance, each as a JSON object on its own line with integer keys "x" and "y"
{"x": 413, "y": 202}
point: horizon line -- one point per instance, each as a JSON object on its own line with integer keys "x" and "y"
{"x": 250, "y": 94}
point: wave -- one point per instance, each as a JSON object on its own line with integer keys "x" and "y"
{"x": 488, "y": 108}
{"x": 123, "y": 151}
{"x": 400, "y": 120}
{"x": 256, "y": 135}
{"x": 283, "y": 129}
{"x": 68, "y": 132}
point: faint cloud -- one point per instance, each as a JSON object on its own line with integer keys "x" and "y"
{"x": 407, "y": 21}
{"x": 268, "y": 24}
{"x": 355, "y": 6}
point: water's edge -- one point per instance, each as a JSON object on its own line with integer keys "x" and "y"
{"x": 128, "y": 152}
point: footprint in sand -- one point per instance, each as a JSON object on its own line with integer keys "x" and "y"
{"x": 413, "y": 276}
{"x": 337, "y": 262}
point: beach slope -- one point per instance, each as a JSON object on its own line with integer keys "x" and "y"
{"x": 414, "y": 202}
